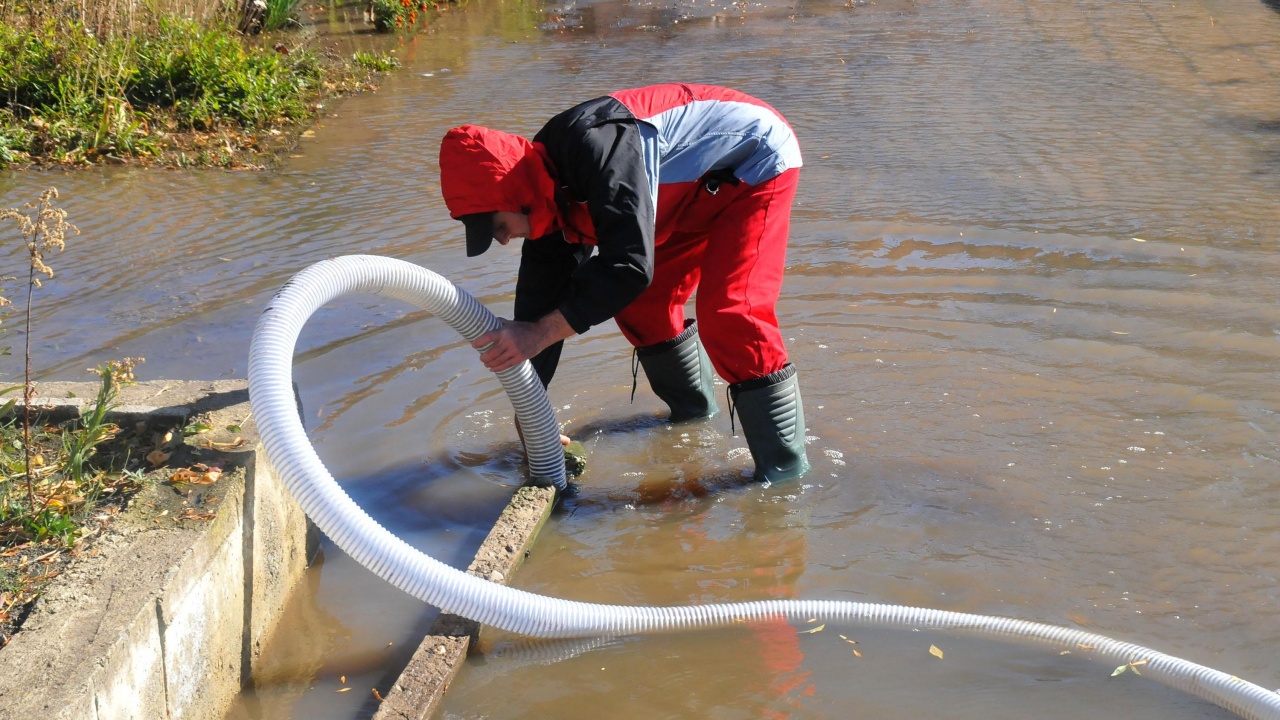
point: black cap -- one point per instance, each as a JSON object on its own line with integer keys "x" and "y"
{"x": 479, "y": 232}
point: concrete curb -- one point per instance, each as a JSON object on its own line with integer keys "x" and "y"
{"x": 160, "y": 619}
{"x": 424, "y": 681}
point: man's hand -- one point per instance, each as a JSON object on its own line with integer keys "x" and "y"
{"x": 515, "y": 342}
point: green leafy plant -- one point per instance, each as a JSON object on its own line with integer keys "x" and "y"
{"x": 375, "y": 62}
{"x": 94, "y": 429}
{"x": 280, "y": 14}
{"x": 67, "y": 482}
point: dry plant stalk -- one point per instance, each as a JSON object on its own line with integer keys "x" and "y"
{"x": 43, "y": 230}
{"x": 108, "y": 18}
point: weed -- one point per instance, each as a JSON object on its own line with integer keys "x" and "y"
{"x": 280, "y": 14}
{"x": 79, "y": 446}
{"x": 375, "y": 62}
{"x": 67, "y": 483}
{"x": 72, "y": 97}
{"x": 43, "y": 229}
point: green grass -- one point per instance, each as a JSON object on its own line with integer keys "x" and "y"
{"x": 375, "y": 62}
{"x": 280, "y": 14}
{"x": 67, "y": 96}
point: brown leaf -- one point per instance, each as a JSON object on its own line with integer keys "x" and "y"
{"x": 377, "y": 694}
{"x": 157, "y": 457}
{"x": 192, "y": 514}
{"x": 197, "y": 475}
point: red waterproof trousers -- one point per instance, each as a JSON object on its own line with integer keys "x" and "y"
{"x": 729, "y": 243}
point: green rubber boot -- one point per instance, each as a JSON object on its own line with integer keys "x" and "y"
{"x": 772, "y": 418}
{"x": 679, "y": 372}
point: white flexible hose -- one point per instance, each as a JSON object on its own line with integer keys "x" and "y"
{"x": 352, "y": 530}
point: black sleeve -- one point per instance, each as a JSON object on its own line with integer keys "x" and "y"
{"x": 606, "y": 162}
{"x": 546, "y": 266}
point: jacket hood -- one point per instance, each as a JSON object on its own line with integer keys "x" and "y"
{"x": 484, "y": 171}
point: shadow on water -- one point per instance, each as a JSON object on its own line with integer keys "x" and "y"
{"x": 289, "y": 669}
{"x": 678, "y": 484}
{"x": 1269, "y": 157}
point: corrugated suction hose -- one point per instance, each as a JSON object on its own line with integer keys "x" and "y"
{"x": 350, "y": 528}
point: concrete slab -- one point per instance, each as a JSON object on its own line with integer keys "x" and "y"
{"x": 424, "y": 681}
{"x": 157, "y": 618}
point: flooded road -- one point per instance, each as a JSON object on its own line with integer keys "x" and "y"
{"x": 1032, "y": 296}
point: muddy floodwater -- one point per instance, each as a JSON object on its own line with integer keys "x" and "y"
{"x": 1031, "y": 293}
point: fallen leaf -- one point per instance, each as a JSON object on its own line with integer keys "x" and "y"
{"x": 1119, "y": 671}
{"x": 345, "y": 689}
{"x": 157, "y": 457}
{"x": 814, "y": 630}
{"x": 342, "y": 679}
{"x": 1139, "y": 240}
{"x": 934, "y": 651}
{"x": 1082, "y": 646}
{"x": 197, "y": 475}
{"x": 377, "y": 694}
{"x": 857, "y": 654}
